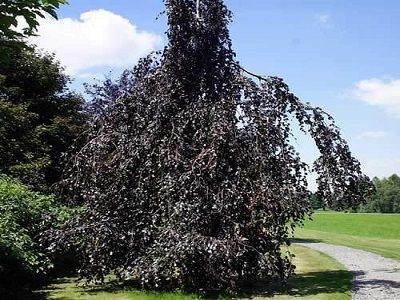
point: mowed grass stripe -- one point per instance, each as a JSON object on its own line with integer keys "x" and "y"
{"x": 385, "y": 247}
{"x": 382, "y": 226}
{"x": 376, "y": 233}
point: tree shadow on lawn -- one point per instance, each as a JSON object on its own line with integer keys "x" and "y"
{"x": 375, "y": 283}
{"x": 20, "y": 291}
{"x": 60, "y": 284}
{"x": 110, "y": 287}
{"x": 299, "y": 241}
{"x": 44, "y": 292}
{"x": 22, "y": 294}
{"x": 307, "y": 284}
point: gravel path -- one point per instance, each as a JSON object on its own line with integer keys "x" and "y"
{"x": 375, "y": 277}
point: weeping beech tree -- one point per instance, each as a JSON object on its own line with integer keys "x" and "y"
{"x": 189, "y": 179}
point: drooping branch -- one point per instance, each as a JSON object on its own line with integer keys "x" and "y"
{"x": 198, "y": 10}
{"x": 190, "y": 180}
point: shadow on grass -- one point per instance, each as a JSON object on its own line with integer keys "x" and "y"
{"x": 22, "y": 294}
{"x": 61, "y": 284}
{"x": 307, "y": 284}
{"x": 22, "y": 290}
{"x": 299, "y": 241}
{"x": 372, "y": 284}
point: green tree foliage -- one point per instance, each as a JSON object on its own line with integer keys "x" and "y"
{"x": 17, "y": 138}
{"x": 30, "y": 11}
{"x": 23, "y": 216}
{"x": 387, "y": 196}
{"x": 317, "y": 202}
{"x": 190, "y": 179}
{"x": 21, "y": 153}
{"x": 40, "y": 117}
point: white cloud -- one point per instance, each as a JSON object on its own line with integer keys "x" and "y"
{"x": 373, "y": 135}
{"x": 99, "y": 38}
{"x": 323, "y": 18}
{"x": 381, "y": 93}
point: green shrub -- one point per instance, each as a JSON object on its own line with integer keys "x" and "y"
{"x": 23, "y": 216}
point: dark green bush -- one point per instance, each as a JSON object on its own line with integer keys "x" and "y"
{"x": 23, "y": 216}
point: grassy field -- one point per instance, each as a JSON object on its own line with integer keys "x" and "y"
{"x": 377, "y": 233}
{"x": 66, "y": 289}
{"x": 318, "y": 277}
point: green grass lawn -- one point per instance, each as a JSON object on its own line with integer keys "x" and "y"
{"x": 378, "y": 233}
{"x": 67, "y": 289}
{"x": 318, "y": 277}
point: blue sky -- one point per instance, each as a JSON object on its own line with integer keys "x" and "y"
{"x": 342, "y": 55}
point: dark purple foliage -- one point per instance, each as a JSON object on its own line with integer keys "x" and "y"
{"x": 104, "y": 93}
{"x": 190, "y": 181}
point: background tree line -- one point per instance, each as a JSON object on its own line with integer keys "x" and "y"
{"x": 386, "y": 198}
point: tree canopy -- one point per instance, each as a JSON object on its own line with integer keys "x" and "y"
{"x": 190, "y": 180}
{"x": 39, "y": 117}
{"x": 30, "y": 11}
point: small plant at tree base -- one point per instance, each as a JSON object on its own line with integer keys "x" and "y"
{"x": 191, "y": 182}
